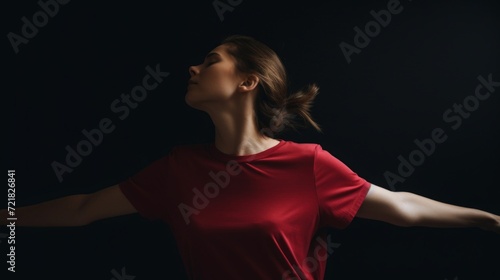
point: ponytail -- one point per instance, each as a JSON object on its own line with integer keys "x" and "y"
{"x": 279, "y": 116}
{"x": 300, "y": 104}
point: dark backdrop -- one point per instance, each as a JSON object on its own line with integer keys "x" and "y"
{"x": 396, "y": 89}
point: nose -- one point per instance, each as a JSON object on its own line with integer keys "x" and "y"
{"x": 193, "y": 70}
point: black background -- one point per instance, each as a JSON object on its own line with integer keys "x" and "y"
{"x": 372, "y": 109}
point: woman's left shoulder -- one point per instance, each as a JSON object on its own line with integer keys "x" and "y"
{"x": 306, "y": 148}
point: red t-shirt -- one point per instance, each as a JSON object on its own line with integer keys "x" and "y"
{"x": 249, "y": 217}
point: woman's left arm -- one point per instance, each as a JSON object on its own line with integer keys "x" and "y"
{"x": 407, "y": 209}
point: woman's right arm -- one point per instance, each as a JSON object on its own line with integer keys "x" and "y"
{"x": 73, "y": 210}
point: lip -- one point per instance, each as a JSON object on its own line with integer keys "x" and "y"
{"x": 191, "y": 82}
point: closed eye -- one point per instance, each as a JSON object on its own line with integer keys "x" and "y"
{"x": 211, "y": 62}
{"x": 212, "y": 58}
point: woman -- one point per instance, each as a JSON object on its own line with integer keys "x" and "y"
{"x": 250, "y": 206}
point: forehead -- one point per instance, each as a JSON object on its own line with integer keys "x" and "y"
{"x": 221, "y": 50}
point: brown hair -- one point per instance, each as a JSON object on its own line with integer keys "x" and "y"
{"x": 275, "y": 108}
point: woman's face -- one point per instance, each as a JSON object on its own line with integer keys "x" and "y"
{"x": 213, "y": 81}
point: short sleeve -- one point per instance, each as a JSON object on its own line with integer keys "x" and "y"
{"x": 146, "y": 188}
{"x": 340, "y": 190}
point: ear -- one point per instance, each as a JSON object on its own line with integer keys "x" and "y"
{"x": 249, "y": 83}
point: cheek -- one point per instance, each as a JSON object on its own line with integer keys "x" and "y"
{"x": 220, "y": 83}
{"x": 211, "y": 88}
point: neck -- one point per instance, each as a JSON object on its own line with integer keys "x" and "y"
{"x": 236, "y": 132}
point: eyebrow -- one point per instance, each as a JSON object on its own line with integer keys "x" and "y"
{"x": 212, "y": 54}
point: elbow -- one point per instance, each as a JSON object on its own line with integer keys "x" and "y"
{"x": 407, "y": 214}
{"x": 395, "y": 208}
{"x": 80, "y": 222}
{"x": 81, "y": 216}
{"x": 405, "y": 222}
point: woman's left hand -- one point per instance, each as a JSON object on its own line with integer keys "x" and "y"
{"x": 493, "y": 224}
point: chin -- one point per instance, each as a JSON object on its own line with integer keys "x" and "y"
{"x": 188, "y": 98}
